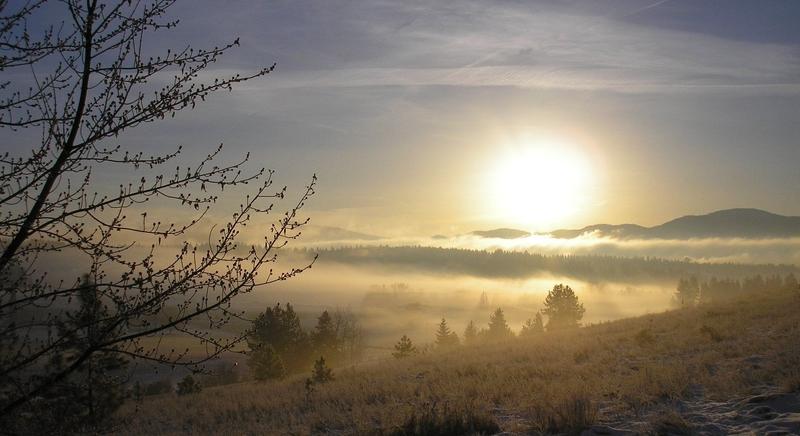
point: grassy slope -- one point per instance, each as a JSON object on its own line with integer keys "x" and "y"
{"x": 617, "y": 373}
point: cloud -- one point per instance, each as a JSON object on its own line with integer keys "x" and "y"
{"x": 531, "y": 46}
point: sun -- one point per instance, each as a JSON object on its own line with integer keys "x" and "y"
{"x": 540, "y": 182}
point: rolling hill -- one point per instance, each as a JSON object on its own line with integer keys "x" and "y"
{"x": 729, "y": 223}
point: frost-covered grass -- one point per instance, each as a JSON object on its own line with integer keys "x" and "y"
{"x": 555, "y": 382}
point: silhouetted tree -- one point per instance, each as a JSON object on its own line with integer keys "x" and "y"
{"x": 87, "y": 398}
{"x": 265, "y": 363}
{"x": 188, "y": 386}
{"x": 790, "y": 283}
{"x": 470, "y": 334}
{"x": 325, "y": 338}
{"x": 562, "y": 308}
{"x": 498, "y": 327}
{"x": 483, "y": 303}
{"x": 349, "y": 335}
{"x": 688, "y": 292}
{"x": 446, "y": 338}
{"x": 321, "y": 372}
{"x": 404, "y": 348}
{"x": 533, "y": 326}
{"x": 280, "y": 328}
{"x": 78, "y": 75}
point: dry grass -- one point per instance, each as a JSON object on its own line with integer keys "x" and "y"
{"x": 562, "y": 381}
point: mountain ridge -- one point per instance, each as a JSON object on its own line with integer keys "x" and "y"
{"x": 727, "y": 223}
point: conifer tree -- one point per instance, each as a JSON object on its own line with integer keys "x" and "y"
{"x": 321, "y": 373}
{"x": 280, "y": 328}
{"x": 265, "y": 363}
{"x": 404, "y": 348}
{"x": 562, "y": 308}
{"x": 483, "y": 303}
{"x": 533, "y": 326}
{"x": 86, "y": 399}
{"x": 470, "y": 334}
{"x": 688, "y": 292}
{"x": 446, "y": 338}
{"x": 324, "y": 337}
{"x": 498, "y": 327}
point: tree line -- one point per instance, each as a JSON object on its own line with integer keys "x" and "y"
{"x": 691, "y": 290}
{"x": 516, "y": 264}
{"x": 561, "y": 307}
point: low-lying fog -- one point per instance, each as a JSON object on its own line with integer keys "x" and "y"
{"x": 405, "y": 287}
{"x": 391, "y": 304}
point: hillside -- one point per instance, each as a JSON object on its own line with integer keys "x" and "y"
{"x": 729, "y": 368}
{"x": 730, "y": 223}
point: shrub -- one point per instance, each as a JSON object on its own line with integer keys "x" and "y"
{"x": 224, "y": 374}
{"x": 321, "y": 372}
{"x": 158, "y": 387}
{"x": 712, "y": 333}
{"x": 435, "y": 421}
{"x": 404, "y": 348}
{"x": 570, "y": 416}
{"x": 188, "y": 386}
{"x": 533, "y": 326}
{"x": 645, "y": 338}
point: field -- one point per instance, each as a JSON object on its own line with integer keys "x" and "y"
{"x": 717, "y": 369}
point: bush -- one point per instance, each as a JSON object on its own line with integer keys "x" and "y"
{"x": 571, "y": 417}
{"x": 188, "y": 386}
{"x": 435, "y": 421}
{"x": 645, "y": 338}
{"x": 712, "y": 333}
{"x": 158, "y": 387}
{"x": 224, "y": 374}
{"x": 404, "y": 348}
{"x": 321, "y": 372}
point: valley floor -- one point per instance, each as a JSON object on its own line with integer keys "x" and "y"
{"x": 728, "y": 368}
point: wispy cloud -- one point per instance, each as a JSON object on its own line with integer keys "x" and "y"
{"x": 527, "y": 46}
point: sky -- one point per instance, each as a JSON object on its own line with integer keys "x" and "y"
{"x": 426, "y": 117}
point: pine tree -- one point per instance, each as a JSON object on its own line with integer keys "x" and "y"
{"x": 265, "y": 363}
{"x": 445, "y": 338}
{"x": 470, "y": 334}
{"x": 533, "y": 326}
{"x": 688, "y": 292}
{"x": 404, "y": 348}
{"x": 790, "y": 283}
{"x": 325, "y": 339}
{"x": 483, "y": 303}
{"x": 88, "y": 397}
{"x": 562, "y": 308}
{"x": 280, "y": 328}
{"x": 498, "y": 327}
{"x": 321, "y": 372}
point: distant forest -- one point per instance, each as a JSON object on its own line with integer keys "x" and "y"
{"x": 518, "y": 265}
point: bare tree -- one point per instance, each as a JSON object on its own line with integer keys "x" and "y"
{"x": 74, "y": 88}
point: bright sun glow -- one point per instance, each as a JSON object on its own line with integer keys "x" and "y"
{"x": 540, "y": 183}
